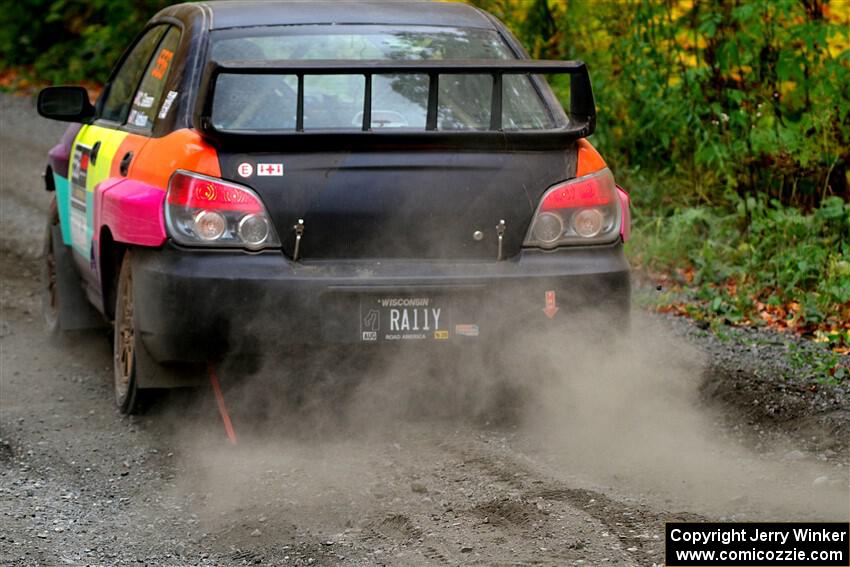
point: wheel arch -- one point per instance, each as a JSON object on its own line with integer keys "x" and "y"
{"x": 111, "y": 253}
{"x": 49, "y": 183}
{"x": 127, "y": 213}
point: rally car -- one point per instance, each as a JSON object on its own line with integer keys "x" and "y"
{"x": 257, "y": 176}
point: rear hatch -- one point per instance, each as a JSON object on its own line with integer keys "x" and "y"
{"x": 391, "y": 141}
{"x": 402, "y": 204}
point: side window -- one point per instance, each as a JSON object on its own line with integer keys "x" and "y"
{"x": 123, "y": 85}
{"x": 152, "y": 88}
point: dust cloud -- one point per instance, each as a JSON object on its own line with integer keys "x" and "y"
{"x": 325, "y": 445}
{"x": 624, "y": 409}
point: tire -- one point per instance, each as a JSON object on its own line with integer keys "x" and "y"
{"x": 129, "y": 398}
{"x": 50, "y": 278}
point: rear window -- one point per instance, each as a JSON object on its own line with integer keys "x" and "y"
{"x": 268, "y": 102}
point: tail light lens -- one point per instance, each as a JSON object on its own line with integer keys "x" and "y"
{"x": 585, "y": 210}
{"x": 206, "y": 211}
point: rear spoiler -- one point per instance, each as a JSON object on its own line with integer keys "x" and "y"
{"x": 581, "y": 120}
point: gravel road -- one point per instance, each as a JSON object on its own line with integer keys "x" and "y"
{"x": 611, "y": 442}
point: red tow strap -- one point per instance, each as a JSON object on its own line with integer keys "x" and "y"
{"x": 222, "y": 409}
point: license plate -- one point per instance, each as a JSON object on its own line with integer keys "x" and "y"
{"x": 409, "y": 318}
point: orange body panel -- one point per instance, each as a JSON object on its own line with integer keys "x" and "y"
{"x": 130, "y": 143}
{"x": 589, "y": 159}
{"x": 182, "y": 149}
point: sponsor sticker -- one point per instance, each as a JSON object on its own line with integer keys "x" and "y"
{"x": 370, "y": 324}
{"x": 245, "y": 169}
{"x": 143, "y": 100}
{"x": 166, "y": 105}
{"x": 372, "y": 320}
{"x": 270, "y": 169}
{"x": 551, "y": 304}
{"x": 162, "y": 63}
{"x": 466, "y": 330}
{"x": 137, "y": 118}
{"x": 79, "y": 178}
{"x": 441, "y": 335}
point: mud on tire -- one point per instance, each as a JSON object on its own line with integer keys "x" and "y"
{"x": 129, "y": 398}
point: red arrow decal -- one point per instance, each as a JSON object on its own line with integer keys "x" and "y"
{"x": 551, "y": 304}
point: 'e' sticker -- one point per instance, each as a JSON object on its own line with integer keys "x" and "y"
{"x": 245, "y": 169}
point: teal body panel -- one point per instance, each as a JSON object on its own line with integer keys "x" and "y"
{"x": 62, "y": 202}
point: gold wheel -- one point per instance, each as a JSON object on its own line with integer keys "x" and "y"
{"x": 124, "y": 350}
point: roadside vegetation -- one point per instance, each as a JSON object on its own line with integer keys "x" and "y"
{"x": 727, "y": 120}
{"x": 67, "y": 41}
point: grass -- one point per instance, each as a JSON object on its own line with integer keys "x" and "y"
{"x": 749, "y": 262}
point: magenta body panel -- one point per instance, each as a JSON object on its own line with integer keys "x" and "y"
{"x": 132, "y": 211}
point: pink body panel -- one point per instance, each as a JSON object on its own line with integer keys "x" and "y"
{"x": 626, "y": 221}
{"x": 132, "y": 211}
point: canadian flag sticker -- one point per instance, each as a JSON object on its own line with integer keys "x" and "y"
{"x": 270, "y": 169}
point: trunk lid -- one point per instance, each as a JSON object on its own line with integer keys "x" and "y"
{"x": 402, "y": 204}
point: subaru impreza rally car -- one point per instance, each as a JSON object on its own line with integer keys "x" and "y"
{"x": 264, "y": 175}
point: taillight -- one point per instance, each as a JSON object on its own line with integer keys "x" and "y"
{"x": 206, "y": 211}
{"x": 585, "y": 210}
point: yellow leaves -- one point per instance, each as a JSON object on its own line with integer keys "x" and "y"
{"x": 838, "y": 11}
{"x": 688, "y": 59}
{"x": 741, "y": 72}
{"x": 688, "y": 40}
{"x": 681, "y": 8}
{"x": 787, "y": 87}
{"x": 558, "y": 7}
{"x": 838, "y": 44}
{"x": 821, "y": 337}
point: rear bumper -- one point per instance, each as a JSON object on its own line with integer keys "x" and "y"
{"x": 195, "y": 306}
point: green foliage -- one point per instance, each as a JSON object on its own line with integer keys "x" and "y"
{"x": 823, "y": 364}
{"x": 70, "y": 41}
{"x": 760, "y": 262}
{"x": 746, "y": 97}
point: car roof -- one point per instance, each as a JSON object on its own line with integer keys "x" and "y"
{"x": 240, "y": 13}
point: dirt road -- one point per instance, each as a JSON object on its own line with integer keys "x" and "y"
{"x": 616, "y": 441}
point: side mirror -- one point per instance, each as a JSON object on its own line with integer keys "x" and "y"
{"x": 68, "y": 104}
